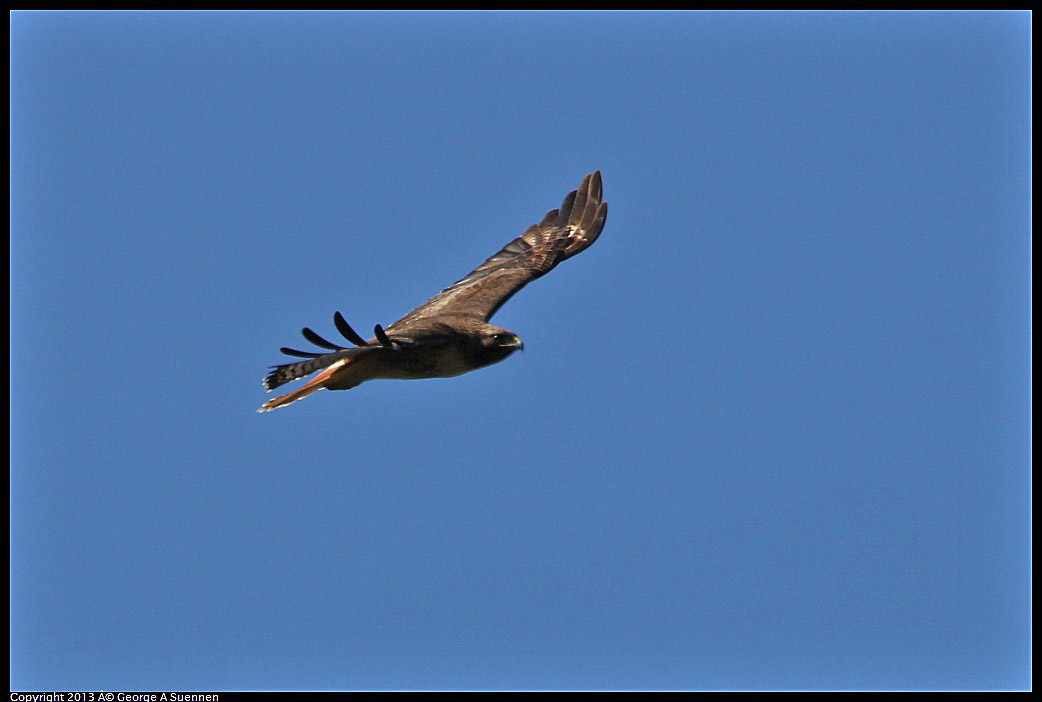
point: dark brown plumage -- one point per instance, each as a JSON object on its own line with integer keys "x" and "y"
{"x": 449, "y": 334}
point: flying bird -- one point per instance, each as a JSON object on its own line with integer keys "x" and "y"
{"x": 449, "y": 334}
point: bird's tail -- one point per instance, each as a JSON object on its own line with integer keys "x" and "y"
{"x": 288, "y": 372}
{"x": 316, "y": 383}
{"x": 332, "y": 362}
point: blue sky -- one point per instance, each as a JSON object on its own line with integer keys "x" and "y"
{"x": 772, "y": 431}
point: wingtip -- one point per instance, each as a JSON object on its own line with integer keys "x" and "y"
{"x": 565, "y": 210}
{"x": 346, "y": 331}
{"x": 382, "y": 337}
{"x": 319, "y": 341}
{"x": 595, "y": 186}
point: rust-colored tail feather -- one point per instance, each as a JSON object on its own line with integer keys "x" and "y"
{"x": 316, "y": 383}
{"x": 289, "y": 372}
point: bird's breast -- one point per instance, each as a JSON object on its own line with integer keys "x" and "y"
{"x": 441, "y": 359}
{"x": 450, "y": 361}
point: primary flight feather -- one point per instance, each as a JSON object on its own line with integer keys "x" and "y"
{"x": 449, "y": 334}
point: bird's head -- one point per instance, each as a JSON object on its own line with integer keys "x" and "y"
{"x": 494, "y": 344}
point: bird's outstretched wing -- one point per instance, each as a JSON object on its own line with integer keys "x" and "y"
{"x": 563, "y": 233}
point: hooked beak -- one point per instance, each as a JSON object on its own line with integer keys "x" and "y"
{"x": 516, "y": 343}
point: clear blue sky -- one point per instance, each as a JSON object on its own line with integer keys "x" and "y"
{"x": 771, "y": 431}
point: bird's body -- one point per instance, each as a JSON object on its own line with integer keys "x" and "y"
{"x": 449, "y": 334}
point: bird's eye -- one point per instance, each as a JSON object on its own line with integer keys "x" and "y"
{"x": 500, "y": 338}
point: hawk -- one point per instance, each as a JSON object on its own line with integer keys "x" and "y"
{"x": 449, "y": 334}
